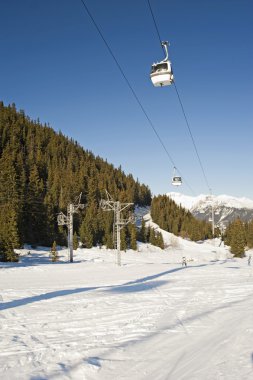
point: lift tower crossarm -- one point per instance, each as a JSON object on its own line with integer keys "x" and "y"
{"x": 67, "y": 220}
{"x": 117, "y": 207}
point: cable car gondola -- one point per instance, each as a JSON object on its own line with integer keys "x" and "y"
{"x": 161, "y": 72}
{"x": 176, "y": 180}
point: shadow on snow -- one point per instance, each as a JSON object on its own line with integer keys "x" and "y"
{"x": 131, "y": 286}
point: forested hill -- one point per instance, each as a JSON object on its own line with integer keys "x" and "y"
{"x": 176, "y": 219}
{"x": 41, "y": 171}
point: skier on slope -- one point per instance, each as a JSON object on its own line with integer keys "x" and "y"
{"x": 184, "y": 262}
{"x": 249, "y": 259}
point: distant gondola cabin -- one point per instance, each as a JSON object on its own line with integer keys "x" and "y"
{"x": 176, "y": 181}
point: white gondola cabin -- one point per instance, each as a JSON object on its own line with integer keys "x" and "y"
{"x": 161, "y": 72}
{"x": 176, "y": 179}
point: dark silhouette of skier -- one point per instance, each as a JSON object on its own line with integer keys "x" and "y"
{"x": 184, "y": 262}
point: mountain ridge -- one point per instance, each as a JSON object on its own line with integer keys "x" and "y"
{"x": 226, "y": 208}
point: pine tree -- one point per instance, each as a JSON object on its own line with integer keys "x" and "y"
{"x": 54, "y": 252}
{"x": 9, "y": 206}
{"x": 160, "y": 241}
{"x": 75, "y": 241}
{"x": 237, "y": 241}
{"x": 148, "y": 233}
{"x": 123, "y": 240}
{"x": 107, "y": 226}
{"x": 133, "y": 234}
{"x": 152, "y": 238}
{"x": 142, "y": 235}
{"x": 249, "y": 234}
{"x": 86, "y": 234}
{"x": 11, "y": 255}
{"x": 36, "y": 216}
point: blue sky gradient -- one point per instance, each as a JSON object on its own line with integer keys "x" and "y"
{"x": 55, "y": 66}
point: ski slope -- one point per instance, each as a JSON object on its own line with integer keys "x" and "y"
{"x": 148, "y": 319}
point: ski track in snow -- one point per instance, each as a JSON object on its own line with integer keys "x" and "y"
{"x": 149, "y": 319}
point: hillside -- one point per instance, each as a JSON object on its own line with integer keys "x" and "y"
{"x": 41, "y": 172}
{"x": 174, "y": 218}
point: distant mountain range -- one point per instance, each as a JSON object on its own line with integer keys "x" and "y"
{"x": 226, "y": 208}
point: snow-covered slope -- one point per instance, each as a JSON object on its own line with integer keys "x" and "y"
{"x": 148, "y": 319}
{"x": 226, "y": 208}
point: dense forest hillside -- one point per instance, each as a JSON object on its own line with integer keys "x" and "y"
{"x": 41, "y": 172}
{"x": 176, "y": 219}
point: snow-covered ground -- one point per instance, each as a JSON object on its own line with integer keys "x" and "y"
{"x": 148, "y": 319}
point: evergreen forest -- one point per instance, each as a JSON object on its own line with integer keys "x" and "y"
{"x": 41, "y": 172}
{"x": 177, "y": 220}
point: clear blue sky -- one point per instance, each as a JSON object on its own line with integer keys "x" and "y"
{"x": 55, "y": 66}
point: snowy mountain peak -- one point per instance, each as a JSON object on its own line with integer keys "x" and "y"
{"x": 190, "y": 202}
{"x": 226, "y": 208}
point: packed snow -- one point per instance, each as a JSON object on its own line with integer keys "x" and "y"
{"x": 147, "y": 319}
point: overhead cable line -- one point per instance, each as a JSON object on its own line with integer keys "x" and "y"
{"x": 192, "y": 138}
{"x": 131, "y": 88}
{"x": 181, "y": 104}
{"x": 157, "y": 30}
